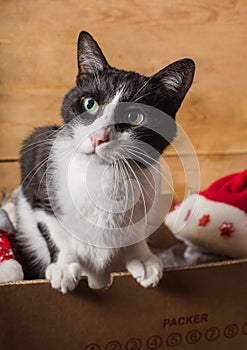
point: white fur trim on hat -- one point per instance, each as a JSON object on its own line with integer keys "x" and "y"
{"x": 10, "y": 270}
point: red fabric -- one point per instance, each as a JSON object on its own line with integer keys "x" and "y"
{"x": 6, "y": 252}
{"x": 231, "y": 189}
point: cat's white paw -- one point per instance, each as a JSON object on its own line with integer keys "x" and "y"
{"x": 98, "y": 282}
{"x": 64, "y": 277}
{"x": 148, "y": 273}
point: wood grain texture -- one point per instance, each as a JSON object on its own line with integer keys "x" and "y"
{"x": 38, "y": 61}
{"x": 211, "y": 168}
{"x": 9, "y": 176}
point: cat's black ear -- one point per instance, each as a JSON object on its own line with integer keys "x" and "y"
{"x": 176, "y": 80}
{"x": 90, "y": 57}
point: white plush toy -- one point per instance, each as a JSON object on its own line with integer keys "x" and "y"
{"x": 214, "y": 220}
{"x": 10, "y": 268}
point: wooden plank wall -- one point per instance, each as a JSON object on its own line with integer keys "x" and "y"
{"x": 38, "y": 65}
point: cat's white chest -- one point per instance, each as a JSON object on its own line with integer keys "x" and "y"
{"x": 89, "y": 193}
{"x": 99, "y": 204}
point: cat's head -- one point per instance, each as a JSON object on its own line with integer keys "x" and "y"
{"x": 111, "y": 110}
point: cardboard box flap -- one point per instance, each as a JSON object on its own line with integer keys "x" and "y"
{"x": 200, "y": 305}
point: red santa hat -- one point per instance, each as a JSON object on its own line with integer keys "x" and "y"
{"x": 231, "y": 189}
{"x": 215, "y": 219}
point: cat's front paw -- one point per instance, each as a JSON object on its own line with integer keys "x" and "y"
{"x": 64, "y": 277}
{"x": 148, "y": 273}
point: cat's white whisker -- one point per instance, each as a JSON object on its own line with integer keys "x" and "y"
{"x": 50, "y": 138}
{"x": 142, "y": 88}
{"x": 131, "y": 222}
{"x": 137, "y": 153}
{"x": 46, "y": 171}
{"x": 140, "y": 186}
{"x": 151, "y": 186}
{"x": 125, "y": 171}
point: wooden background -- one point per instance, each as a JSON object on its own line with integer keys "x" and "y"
{"x": 38, "y": 65}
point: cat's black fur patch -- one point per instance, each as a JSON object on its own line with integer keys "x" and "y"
{"x": 53, "y": 250}
{"x": 34, "y": 155}
{"x": 31, "y": 267}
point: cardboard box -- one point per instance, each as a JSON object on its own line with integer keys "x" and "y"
{"x": 197, "y": 307}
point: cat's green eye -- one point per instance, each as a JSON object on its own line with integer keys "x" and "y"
{"x": 90, "y": 105}
{"x": 135, "y": 118}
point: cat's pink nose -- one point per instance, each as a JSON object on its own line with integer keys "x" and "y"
{"x": 98, "y": 138}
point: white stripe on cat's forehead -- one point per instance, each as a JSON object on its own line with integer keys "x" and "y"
{"x": 113, "y": 103}
{"x": 110, "y": 107}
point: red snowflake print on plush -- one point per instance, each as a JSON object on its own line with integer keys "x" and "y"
{"x": 204, "y": 220}
{"x": 187, "y": 215}
{"x": 226, "y": 229}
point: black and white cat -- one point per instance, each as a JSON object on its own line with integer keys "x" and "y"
{"x": 77, "y": 213}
